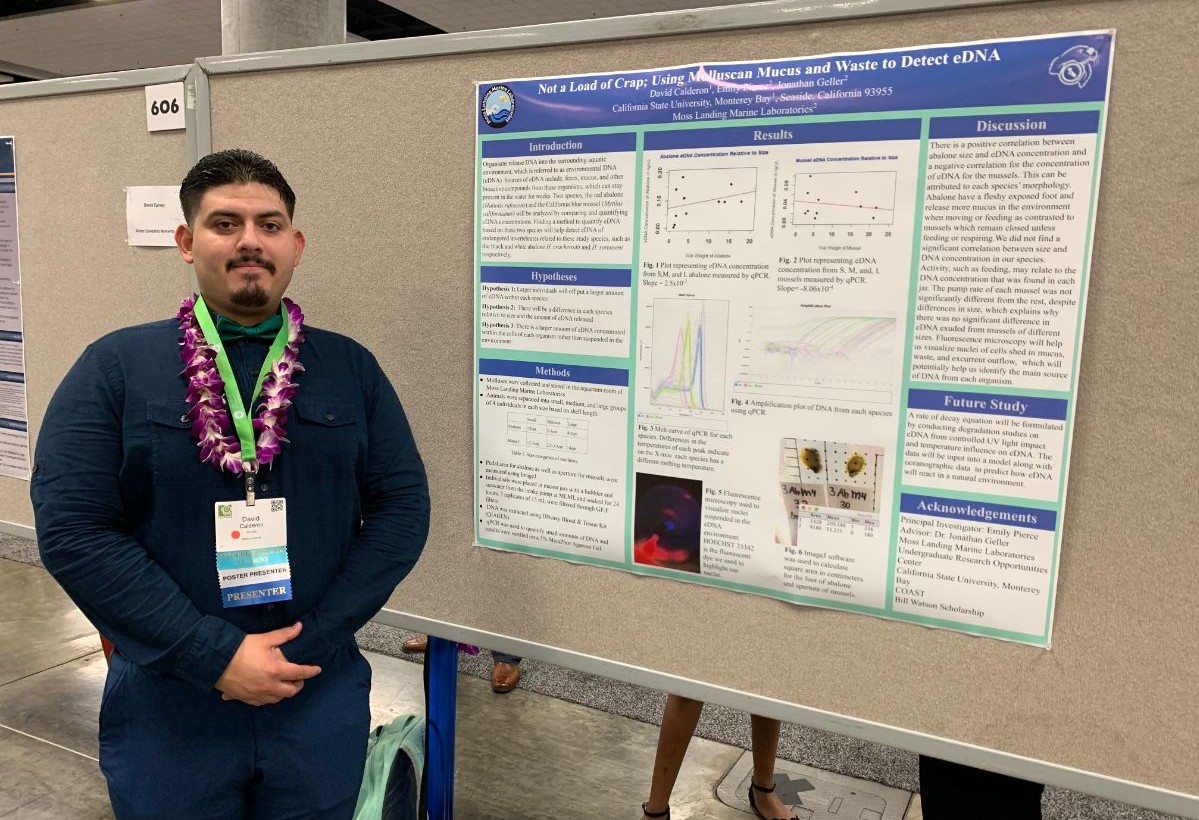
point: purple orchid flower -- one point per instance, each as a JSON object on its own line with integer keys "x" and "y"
{"x": 209, "y": 413}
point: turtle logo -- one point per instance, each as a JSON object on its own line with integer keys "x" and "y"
{"x": 1073, "y": 66}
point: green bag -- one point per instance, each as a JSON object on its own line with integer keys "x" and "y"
{"x": 395, "y": 759}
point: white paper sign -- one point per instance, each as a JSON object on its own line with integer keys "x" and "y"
{"x": 152, "y": 213}
{"x": 164, "y": 107}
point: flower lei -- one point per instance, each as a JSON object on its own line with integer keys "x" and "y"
{"x": 209, "y": 413}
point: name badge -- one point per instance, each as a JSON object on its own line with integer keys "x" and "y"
{"x": 251, "y": 552}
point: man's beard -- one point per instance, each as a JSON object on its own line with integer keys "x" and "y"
{"x": 252, "y": 295}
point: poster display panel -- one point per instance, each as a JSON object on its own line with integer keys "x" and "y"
{"x": 14, "y": 412}
{"x": 804, "y": 328}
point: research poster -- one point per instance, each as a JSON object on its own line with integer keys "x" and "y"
{"x": 14, "y": 415}
{"x": 803, "y": 328}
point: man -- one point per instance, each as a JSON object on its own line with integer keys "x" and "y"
{"x": 230, "y": 546}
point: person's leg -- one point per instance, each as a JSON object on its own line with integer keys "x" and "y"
{"x": 678, "y": 725}
{"x": 169, "y": 749}
{"x": 312, "y": 747}
{"x": 949, "y": 791}
{"x": 764, "y": 737}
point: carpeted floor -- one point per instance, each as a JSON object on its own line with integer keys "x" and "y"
{"x": 824, "y": 750}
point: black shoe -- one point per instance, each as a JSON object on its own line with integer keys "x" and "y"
{"x": 665, "y": 815}
{"x": 753, "y": 804}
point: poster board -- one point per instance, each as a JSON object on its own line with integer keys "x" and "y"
{"x": 79, "y": 143}
{"x": 835, "y": 327}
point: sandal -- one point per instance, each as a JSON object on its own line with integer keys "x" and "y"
{"x": 665, "y": 815}
{"x": 754, "y": 787}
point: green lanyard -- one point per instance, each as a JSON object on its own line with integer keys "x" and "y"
{"x": 242, "y": 421}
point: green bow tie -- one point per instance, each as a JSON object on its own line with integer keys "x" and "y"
{"x": 263, "y": 332}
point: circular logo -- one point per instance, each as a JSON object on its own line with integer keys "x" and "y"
{"x": 499, "y": 105}
{"x": 1073, "y": 72}
{"x": 235, "y": 535}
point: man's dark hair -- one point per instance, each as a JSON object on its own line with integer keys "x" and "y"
{"x": 235, "y": 166}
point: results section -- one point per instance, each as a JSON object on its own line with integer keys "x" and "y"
{"x": 774, "y": 261}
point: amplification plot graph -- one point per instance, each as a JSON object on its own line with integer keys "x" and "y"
{"x": 844, "y": 198}
{"x": 711, "y": 199}
{"x": 689, "y": 357}
{"x": 835, "y": 357}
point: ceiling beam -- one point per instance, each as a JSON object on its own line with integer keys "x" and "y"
{"x": 21, "y": 73}
{"x": 376, "y": 20}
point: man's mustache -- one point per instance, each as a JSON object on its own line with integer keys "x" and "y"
{"x": 251, "y": 260}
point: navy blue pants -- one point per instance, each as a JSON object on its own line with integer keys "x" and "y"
{"x": 170, "y": 750}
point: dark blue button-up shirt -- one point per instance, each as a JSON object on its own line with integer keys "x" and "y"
{"x": 125, "y": 509}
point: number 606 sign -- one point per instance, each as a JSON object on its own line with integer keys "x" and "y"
{"x": 164, "y": 107}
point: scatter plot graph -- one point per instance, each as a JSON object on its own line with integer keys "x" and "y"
{"x": 688, "y": 360}
{"x": 711, "y": 199}
{"x": 844, "y": 357}
{"x": 844, "y": 198}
